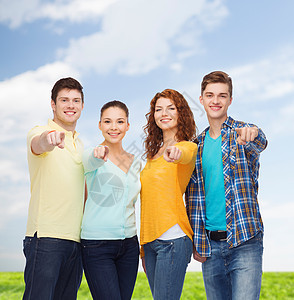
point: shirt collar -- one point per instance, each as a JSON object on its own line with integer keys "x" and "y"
{"x": 55, "y": 126}
{"x": 229, "y": 122}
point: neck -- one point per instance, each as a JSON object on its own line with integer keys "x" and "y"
{"x": 115, "y": 149}
{"x": 215, "y": 127}
{"x": 68, "y": 127}
{"x": 169, "y": 137}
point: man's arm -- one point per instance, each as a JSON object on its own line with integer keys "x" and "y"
{"x": 251, "y": 137}
{"x": 47, "y": 141}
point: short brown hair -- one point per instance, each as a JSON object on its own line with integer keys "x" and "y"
{"x": 66, "y": 83}
{"x": 217, "y": 77}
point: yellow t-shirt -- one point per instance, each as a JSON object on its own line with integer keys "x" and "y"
{"x": 163, "y": 185}
{"x": 57, "y": 187}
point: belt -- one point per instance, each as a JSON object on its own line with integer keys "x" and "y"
{"x": 218, "y": 235}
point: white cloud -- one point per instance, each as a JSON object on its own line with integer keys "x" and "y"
{"x": 26, "y": 99}
{"x": 139, "y": 36}
{"x": 18, "y": 12}
{"x": 282, "y": 123}
{"x": 268, "y": 79}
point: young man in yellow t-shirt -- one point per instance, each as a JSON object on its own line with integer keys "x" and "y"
{"x": 53, "y": 262}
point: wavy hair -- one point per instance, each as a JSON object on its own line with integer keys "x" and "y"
{"x": 186, "y": 127}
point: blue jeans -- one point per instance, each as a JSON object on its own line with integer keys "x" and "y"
{"x": 234, "y": 273}
{"x": 166, "y": 262}
{"x": 111, "y": 267}
{"x": 53, "y": 268}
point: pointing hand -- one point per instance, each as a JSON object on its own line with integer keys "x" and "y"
{"x": 55, "y": 138}
{"x": 172, "y": 153}
{"x": 246, "y": 134}
{"x": 101, "y": 152}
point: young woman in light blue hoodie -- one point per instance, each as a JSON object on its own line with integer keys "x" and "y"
{"x": 110, "y": 248}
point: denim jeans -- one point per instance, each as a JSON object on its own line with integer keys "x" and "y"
{"x": 53, "y": 268}
{"x": 166, "y": 262}
{"x": 234, "y": 273}
{"x": 111, "y": 267}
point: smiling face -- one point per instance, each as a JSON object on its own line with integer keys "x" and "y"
{"x": 67, "y": 109}
{"x": 216, "y": 100}
{"x": 166, "y": 114}
{"x": 114, "y": 124}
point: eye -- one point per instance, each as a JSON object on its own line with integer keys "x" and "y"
{"x": 107, "y": 122}
{"x": 158, "y": 109}
{"x": 172, "y": 108}
{"x": 77, "y": 101}
{"x": 121, "y": 122}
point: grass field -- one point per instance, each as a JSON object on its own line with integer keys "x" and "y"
{"x": 274, "y": 286}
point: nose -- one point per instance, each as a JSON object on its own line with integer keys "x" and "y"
{"x": 215, "y": 100}
{"x": 113, "y": 125}
{"x": 70, "y": 104}
{"x": 164, "y": 112}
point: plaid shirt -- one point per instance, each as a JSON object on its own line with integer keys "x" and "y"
{"x": 240, "y": 169}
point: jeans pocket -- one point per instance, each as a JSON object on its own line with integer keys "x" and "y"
{"x": 27, "y": 244}
{"x": 165, "y": 242}
{"x": 92, "y": 248}
{"x": 88, "y": 244}
{"x": 135, "y": 243}
{"x": 135, "y": 238}
{"x": 189, "y": 249}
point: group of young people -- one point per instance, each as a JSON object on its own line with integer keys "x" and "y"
{"x": 82, "y": 207}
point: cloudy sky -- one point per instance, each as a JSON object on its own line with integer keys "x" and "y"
{"x": 129, "y": 50}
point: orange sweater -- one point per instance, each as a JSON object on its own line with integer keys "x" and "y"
{"x": 162, "y": 187}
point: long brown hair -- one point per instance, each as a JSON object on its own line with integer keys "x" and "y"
{"x": 186, "y": 128}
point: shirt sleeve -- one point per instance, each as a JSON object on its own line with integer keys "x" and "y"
{"x": 37, "y": 130}
{"x": 189, "y": 151}
{"x": 258, "y": 145}
{"x": 90, "y": 162}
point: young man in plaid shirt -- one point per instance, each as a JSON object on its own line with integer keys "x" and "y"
{"x": 221, "y": 198}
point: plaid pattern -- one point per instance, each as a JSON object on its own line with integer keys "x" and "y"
{"x": 241, "y": 170}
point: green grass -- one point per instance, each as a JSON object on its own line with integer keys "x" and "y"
{"x": 278, "y": 285}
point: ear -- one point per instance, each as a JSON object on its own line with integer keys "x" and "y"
{"x": 231, "y": 100}
{"x": 53, "y": 105}
{"x": 201, "y": 99}
{"x": 99, "y": 125}
{"x": 128, "y": 126}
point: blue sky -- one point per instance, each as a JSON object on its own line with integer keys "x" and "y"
{"x": 129, "y": 50}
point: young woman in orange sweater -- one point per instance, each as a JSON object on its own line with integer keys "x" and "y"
{"x": 166, "y": 234}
